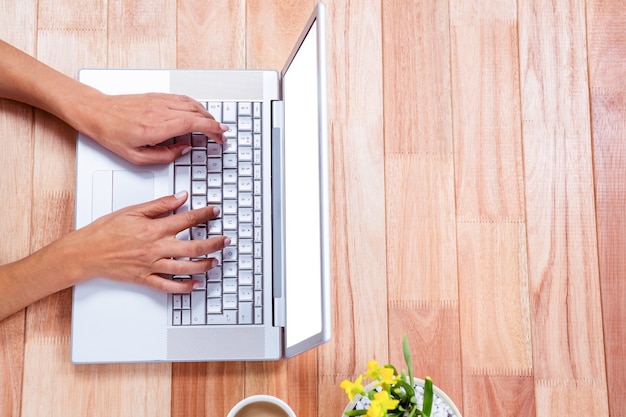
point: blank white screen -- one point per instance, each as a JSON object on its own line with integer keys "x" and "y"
{"x": 303, "y": 287}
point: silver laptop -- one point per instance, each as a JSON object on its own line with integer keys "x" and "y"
{"x": 269, "y": 298}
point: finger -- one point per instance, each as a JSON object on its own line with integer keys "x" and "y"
{"x": 184, "y": 267}
{"x": 168, "y": 285}
{"x": 186, "y": 219}
{"x": 195, "y": 248}
{"x": 183, "y": 124}
{"x": 186, "y": 103}
{"x": 159, "y": 154}
{"x": 162, "y": 205}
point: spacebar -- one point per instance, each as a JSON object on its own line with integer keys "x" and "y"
{"x": 182, "y": 182}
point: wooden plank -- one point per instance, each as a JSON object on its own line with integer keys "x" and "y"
{"x": 493, "y": 283}
{"x": 607, "y": 70}
{"x": 421, "y": 239}
{"x": 142, "y": 34}
{"x": 273, "y": 28}
{"x": 211, "y": 34}
{"x": 491, "y": 240}
{"x": 87, "y": 390}
{"x": 500, "y": 395}
{"x": 16, "y": 127}
{"x": 357, "y": 198}
{"x": 17, "y": 27}
{"x": 562, "y": 247}
{"x": 609, "y": 135}
{"x": 432, "y": 328}
{"x": 208, "y": 35}
{"x": 357, "y": 189}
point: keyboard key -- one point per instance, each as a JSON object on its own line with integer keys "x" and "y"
{"x": 198, "y": 307}
{"x": 230, "y": 301}
{"x": 214, "y": 180}
{"x": 245, "y": 169}
{"x": 177, "y": 318}
{"x": 229, "y": 112}
{"x": 214, "y": 165}
{"x": 229, "y": 254}
{"x": 245, "y": 138}
{"x": 229, "y": 160}
{"x": 186, "y": 300}
{"x": 213, "y": 149}
{"x": 182, "y": 182}
{"x": 198, "y": 140}
{"x": 245, "y": 278}
{"x": 245, "y": 313}
{"x": 256, "y": 110}
{"x": 186, "y": 317}
{"x": 176, "y": 301}
{"x": 214, "y": 305}
{"x": 246, "y": 293}
{"x": 230, "y": 207}
{"x": 215, "y": 108}
{"x": 245, "y": 109}
{"x": 229, "y": 222}
{"x": 244, "y": 123}
{"x": 198, "y": 172}
{"x": 229, "y": 269}
{"x": 198, "y": 157}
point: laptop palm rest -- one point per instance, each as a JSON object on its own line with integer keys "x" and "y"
{"x": 135, "y": 306}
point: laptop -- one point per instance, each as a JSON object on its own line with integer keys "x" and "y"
{"x": 269, "y": 298}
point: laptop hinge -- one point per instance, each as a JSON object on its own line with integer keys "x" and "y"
{"x": 278, "y": 210}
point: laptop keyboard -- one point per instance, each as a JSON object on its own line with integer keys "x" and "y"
{"x": 227, "y": 176}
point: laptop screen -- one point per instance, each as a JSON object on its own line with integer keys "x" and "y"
{"x": 306, "y": 201}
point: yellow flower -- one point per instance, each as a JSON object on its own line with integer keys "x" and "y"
{"x": 352, "y": 388}
{"x": 387, "y": 376}
{"x": 381, "y": 404}
{"x": 373, "y": 370}
{"x": 376, "y": 410}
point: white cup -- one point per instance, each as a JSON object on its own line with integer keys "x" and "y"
{"x": 261, "y": 406}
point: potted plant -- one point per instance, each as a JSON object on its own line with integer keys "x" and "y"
{"x": 388, "y": 393}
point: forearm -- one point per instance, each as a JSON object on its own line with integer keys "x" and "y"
{"x": 32, "y": 278}
{"x": 27, "y": 80}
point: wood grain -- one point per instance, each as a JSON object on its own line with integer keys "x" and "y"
{"x": 607, "y": 70}
{"x": 17, "y": 26}
{"x": 562, "y": 247}
{"x": 478, "y": 162}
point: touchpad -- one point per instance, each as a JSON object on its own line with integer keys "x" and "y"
{"x": 113, "y": 190}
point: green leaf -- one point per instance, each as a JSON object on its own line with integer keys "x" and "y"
{"x": 428, "y": 396}
{"x": 407, "y": 356}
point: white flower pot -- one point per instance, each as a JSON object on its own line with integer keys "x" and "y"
{"x": 443, "y": 406}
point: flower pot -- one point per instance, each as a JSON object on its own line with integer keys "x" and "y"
{"x": 443, "y": 406}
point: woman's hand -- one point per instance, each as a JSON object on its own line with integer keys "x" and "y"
{"x": 135, "y": 126}
{"x": 138, "y": 244}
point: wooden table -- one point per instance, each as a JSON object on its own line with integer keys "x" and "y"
{"x": 479, "y": 200}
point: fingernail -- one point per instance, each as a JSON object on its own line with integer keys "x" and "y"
{"x": 224, "y": 138}
{"x": 216, "y": 211}
{"x": 214, "y": 263}
{"x": 196, "y": 284}
{"x": 180, "y": 195}
{"x": 186, "y": 150}
{"x": 224, "y": 127}
{"x": 227, "y": 242}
